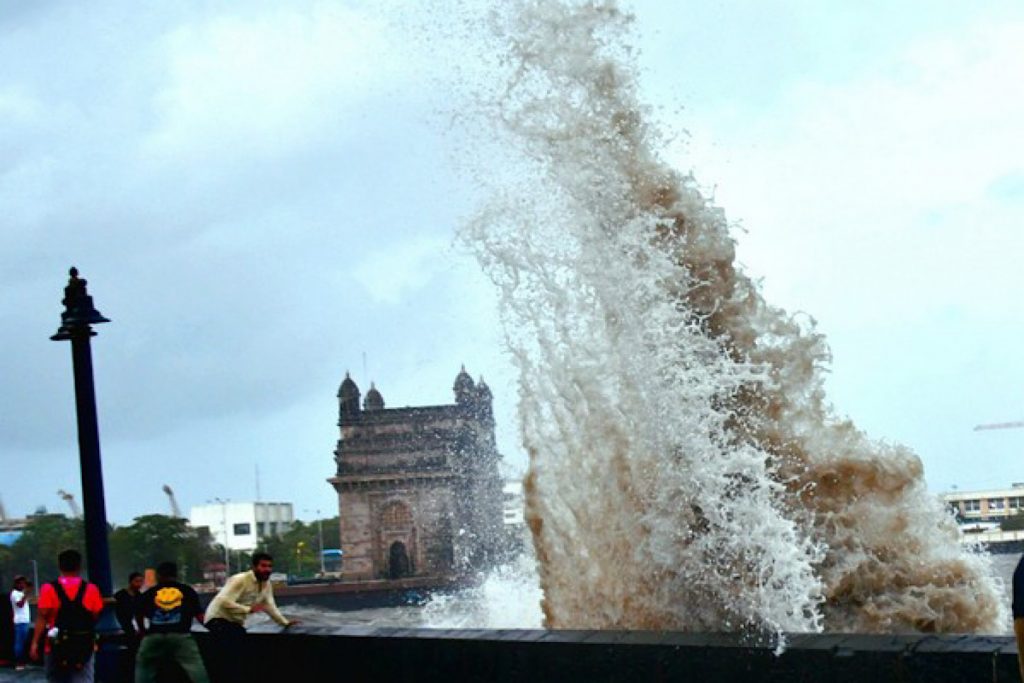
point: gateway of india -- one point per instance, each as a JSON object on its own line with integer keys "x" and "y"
{"x": 419, "y": 492}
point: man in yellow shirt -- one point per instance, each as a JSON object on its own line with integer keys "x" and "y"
{"x": 244, "y": 594}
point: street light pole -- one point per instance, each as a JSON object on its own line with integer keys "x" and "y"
{"x": 224, "y": 525}
{"x": 320, "y": 531}
{"x": 76, "y": 326}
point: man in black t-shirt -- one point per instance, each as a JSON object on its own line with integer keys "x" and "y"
{"x": 125, "y": 607}
{"x": 168, "y": 609}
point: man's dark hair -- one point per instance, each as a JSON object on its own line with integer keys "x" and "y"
{"x": 259, "y": 557}
{"x": 69, "y": 561}
{"x": 133, "y": 576}
{"x": 167, "y": 570}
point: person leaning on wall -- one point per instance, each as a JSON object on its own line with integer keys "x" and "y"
{"x": 244, "y": 594}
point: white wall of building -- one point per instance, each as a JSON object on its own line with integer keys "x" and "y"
{"x": 240, "y": 525}
{"x": 992, "y": 504}
{"x": 512, "y": 503}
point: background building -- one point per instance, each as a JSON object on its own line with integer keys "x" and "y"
{"x": 419, "y": 492}
{"x": 240, "y": 526}
{"x": 512, "y": 503}
{"x": 993, "y": 505}
{"x": 512, "y": 509}
{"x": 990, "y": 518}
{"x": 10, "y": 528}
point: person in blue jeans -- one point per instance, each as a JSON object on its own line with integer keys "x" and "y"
{"x": 22, "y": 620}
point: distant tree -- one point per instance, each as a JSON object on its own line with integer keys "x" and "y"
{"x": 152, "y": 539}
{"x": 7, "y": 571}
{"x": 43, "y": 538}
{"x": 302, "y": 560}
{"x": 143, "y": 544}
{"x": 283, "y": 547}
{"x": 332, "y": 533}
{"x": 1014, "y": 522}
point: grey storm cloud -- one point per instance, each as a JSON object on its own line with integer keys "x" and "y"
{"x": 263, "y": 196}
{"x": 228, "y": 183}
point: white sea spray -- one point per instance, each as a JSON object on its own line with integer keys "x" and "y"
{"x": 685, "y": 469}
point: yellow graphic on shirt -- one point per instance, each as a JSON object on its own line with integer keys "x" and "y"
{"x": 168, "y": 598}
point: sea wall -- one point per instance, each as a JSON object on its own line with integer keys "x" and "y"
{"x": 392, "y": 654}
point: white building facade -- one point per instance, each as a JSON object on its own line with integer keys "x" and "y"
{"x": 992, "y": 505}
{"x": 512, "y": 502}
{"x": 241, "y": 525}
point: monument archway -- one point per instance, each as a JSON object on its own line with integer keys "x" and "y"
{"x": 398, "y": 561}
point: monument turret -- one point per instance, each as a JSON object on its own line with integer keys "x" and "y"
{"x": 348, "y": 398}
{"x": 374, "y": 400}
{"x": 464, "y": 387}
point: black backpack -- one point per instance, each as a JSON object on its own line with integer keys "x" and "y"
{"x": 76, "y": 631}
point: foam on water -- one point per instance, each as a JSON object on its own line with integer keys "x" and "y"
{"x": 685, "y": 469}
{"x": 507, "y": 598}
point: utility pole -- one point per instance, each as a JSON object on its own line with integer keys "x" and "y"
{"x": 224, "y": 525}
{"x": 320, "y": 531}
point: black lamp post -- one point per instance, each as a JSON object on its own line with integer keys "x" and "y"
{"x": 76, "y": 326}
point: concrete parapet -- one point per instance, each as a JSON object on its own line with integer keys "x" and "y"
{"x": 394, "y": 654}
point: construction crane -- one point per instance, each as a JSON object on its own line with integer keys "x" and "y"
{"x": 175, "y": 510}
{"x": 1000, "y": 425}
{"x": 70, "y": 500}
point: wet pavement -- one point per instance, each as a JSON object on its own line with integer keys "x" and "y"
{"x": 31, "y": 674}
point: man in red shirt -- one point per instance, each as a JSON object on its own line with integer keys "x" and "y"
{"x": 72, "y": 605}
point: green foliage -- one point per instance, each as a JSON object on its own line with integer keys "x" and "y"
{"x": 7, "y": 571}
{"x": 43, "y": 539}
{"x": 148, "y": 541}
{"x": 1014, "y": 522}
{"x": 152, "y": 539}
{"x": 297, "y": 551}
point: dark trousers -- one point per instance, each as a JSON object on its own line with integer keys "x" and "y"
{"x": 230, "y": 664}
{"x": 158, "y": 650}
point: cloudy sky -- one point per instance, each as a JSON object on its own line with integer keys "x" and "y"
{"x": 263, "y": 196}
